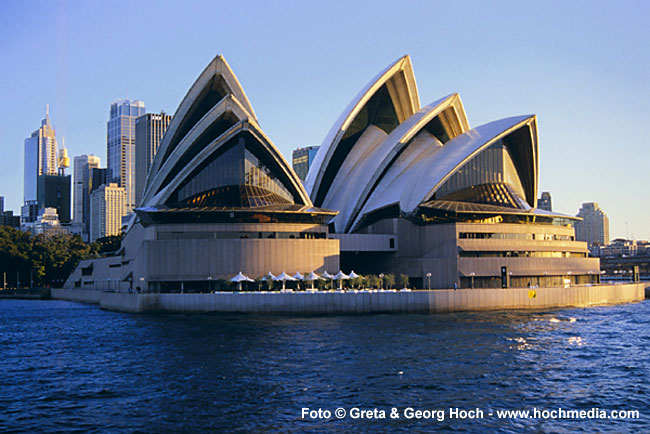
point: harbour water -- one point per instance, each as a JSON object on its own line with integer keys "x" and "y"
{"x": 68, "y": 367}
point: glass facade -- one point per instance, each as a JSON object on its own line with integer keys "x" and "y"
{"x": 149, "y": 131}
{"x": 498, "y": 236}
{"x": 496, "y": 194}
{"x": 121, "y": 146}
{"x": 301, "y": 160}
{"x": 519, "y": 254}
{"x": 529, "y": 281}
{"x": 493, "y": 165}
{"x": 235, "y": 177}
{"x": 216, "y": 129}
{"x": 204, "y": 235}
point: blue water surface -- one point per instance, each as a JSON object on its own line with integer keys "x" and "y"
{"x": 67, "y": 368}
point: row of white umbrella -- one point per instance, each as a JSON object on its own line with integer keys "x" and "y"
{"x": 340, "y": 276}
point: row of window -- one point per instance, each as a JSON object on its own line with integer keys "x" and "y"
{"x": 520, "y": 254}
{"x": 497, "y": 236}
{"x": 239, "y": 235}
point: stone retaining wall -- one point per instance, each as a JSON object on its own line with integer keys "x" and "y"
{"x": 434, "y": 301}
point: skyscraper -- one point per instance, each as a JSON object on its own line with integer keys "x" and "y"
{"x": 594, "y": 227}
{"x": 40, "y": 157}
{"x": 121, "y": 146}
{"x": 54, "y": 192}
{"x": 83, "y": 166}
{"x": 98, "y": 177}
{"x": 149, "y": 130}
{"x": 107, "y": 208}
{"x": 301, "y": 160}
{"x": 545, "y": 202}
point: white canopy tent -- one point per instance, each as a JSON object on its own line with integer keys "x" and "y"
{"x": 311, "y": 277}
{"x": 284, "y": 277}
{"x": 340, "y": 276}
{"x": 239, "y": 278}
{"x": 327, "y": 275}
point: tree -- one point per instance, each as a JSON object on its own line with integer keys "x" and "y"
{"x": 55, "y": 255}
{"x": 258, "y": 282}
{"x": 373, "y": 281}
{"x": 403, "y": 280}
{"x": 15, "y": 256}
{"x": 106, "y": 245}
{"x": 390, "y": 280}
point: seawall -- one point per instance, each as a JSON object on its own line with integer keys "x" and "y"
{"x": 300, "y": 303}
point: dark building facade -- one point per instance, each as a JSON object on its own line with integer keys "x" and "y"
{"x": 149, "y": 130}
{"x": 98, "y": 177}
{"x": 301, "y": 160}
{"x": 54, "y": 192}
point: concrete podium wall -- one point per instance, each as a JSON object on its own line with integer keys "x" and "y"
{"x": 81, "y": 295}
{"x": 320, "y": 303}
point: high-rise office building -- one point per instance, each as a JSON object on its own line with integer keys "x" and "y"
{"x": 149, "y": 130}
{"x": 594, "y": 226}
{"x": 7, "y": 218}
{"x": 47, "y": 221}
{"x": 545, "y": 202}
{"x": 54, "y": 192}
{"x": 121, "y": 146}
{"x": 301, "y": 160}
{"x": 40, "y": 157}
{"x": 98, "y": 177}
{"x": 83, "y": 166}
{"x": 29, "y": 212}
{"x": 107, "y": 206}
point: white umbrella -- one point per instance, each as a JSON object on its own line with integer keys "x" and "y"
{"x": 269, "y": 276}
{"x": 312, "y": 276}
{"x": 284, "y": 277}
{"x": 298, "y": 276}
{"x": 327, "y": 275}
{"x": 239, "y": 278}
{"x": 354, "y": 275}
{"x": 340, "y": 276}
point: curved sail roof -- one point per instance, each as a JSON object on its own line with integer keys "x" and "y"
{"x": 423, "y": 168}
{"x": 437, "y": 122}
{"x": 388, "y": 100}
{"x": 279, "y": 167}
{"x": 215, "y": 82}
{"x": 215, "y": 122}
{"x": 214, "y": 148}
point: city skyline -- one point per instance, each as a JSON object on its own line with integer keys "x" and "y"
{"x": 553, "y": 65}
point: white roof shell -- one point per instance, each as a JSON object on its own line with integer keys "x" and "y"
{"x": 217, "y": 69}
{"x": 400, "y": 81}
{"x": 423, "y": 167}
{"x": 235, "y": 103}
{"x": 397, "y": 141}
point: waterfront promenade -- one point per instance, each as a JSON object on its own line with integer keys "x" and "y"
{"x": 360, "y": 302}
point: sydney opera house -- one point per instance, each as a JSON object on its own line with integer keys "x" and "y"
{"x": 395, "y": 188}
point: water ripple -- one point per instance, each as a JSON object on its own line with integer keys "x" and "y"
{"x": 68, "y": 367}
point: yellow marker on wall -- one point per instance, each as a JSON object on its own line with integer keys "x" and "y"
{"x": 532, "y": 294}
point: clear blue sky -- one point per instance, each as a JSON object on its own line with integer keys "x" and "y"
{"x": 582, "y": 66}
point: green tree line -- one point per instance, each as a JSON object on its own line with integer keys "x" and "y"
{"x": 45, "y": 259}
